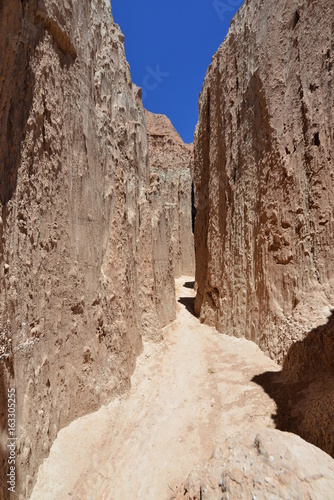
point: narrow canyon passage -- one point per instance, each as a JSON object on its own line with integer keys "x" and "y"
{"x": 189, "y": 392}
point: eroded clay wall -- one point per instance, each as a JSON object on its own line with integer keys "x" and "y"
{"x": 264, "y": 175}
{"x": 78, "y": 285}
{"x": 171, "y": 164}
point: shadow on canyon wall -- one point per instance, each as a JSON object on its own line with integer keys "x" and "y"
{"x": 16, "y": 90}
{"x": 29, "y": 22}
{"x": 19, "y": 37}
{"x": 304, "y": 389}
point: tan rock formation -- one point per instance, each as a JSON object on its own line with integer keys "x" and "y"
{"x": 79, "y": 223}
{"x": 171, "y": 164}
{"x": 268, "y": 465}
{"x": 163, "y": 270}
{"x": 263, "y": 176}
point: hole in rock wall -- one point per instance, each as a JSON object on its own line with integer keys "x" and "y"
{"x": 316, "y": 139}
{"x": 296, "y": 19}
{"x": 193, "y": 208}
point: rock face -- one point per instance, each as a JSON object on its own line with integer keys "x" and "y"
{"x": 264, "y": 177}
{"x": 271, "y": 464}
{"x": 85, "y": 257}
{"x": 171, "y": 164}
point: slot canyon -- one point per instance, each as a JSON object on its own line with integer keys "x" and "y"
{"x": 166, "y": 309}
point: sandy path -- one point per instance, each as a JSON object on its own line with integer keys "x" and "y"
{"x": 189, "y": 392}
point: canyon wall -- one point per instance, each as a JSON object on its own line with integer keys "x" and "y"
{"x": 171, "y": 164}
{"x": 264, "y": 178}
{"x": 85, "y": 250}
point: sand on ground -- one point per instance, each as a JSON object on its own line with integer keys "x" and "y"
{"x": 188, "y": 394}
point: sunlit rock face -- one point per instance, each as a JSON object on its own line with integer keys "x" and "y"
{"x": 171, "y": 165}
{"x": 264, "y": 176}
{"x": 79, "y": 285}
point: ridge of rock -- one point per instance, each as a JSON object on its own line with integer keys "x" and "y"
{"x": 171, "y": 166}
{"x": 264, "y": 465}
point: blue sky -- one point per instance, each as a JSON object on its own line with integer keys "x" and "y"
{"x": 169, "y": 46}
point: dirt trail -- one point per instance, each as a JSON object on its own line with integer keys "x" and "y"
{"x": 188, "y": 393}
